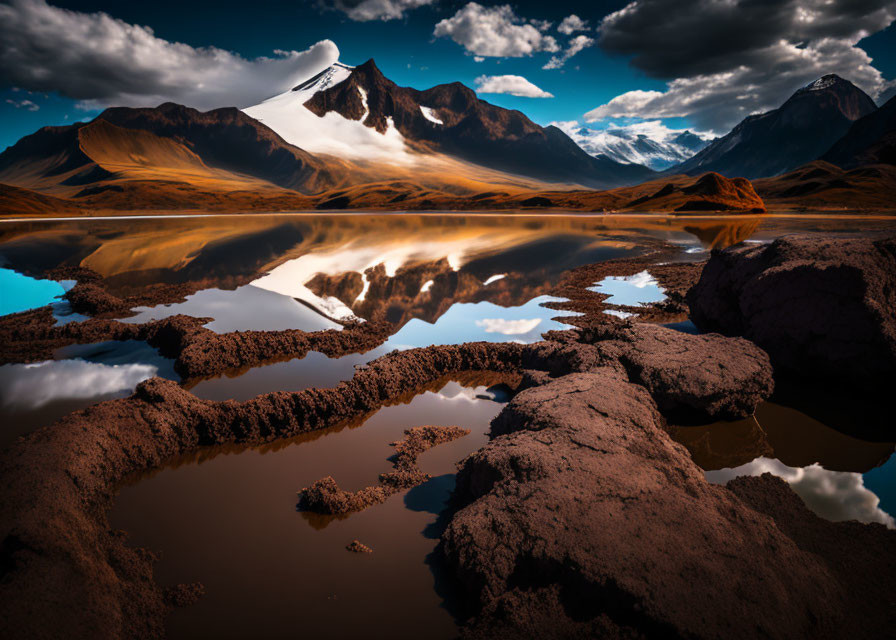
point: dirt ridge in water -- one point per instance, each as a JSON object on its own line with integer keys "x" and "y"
{"x": 326, "y": 498}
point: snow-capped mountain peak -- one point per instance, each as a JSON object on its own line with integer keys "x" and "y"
{"x": 332, "y": 133}
{"x": 329, "y": 77}
{"x": 647, "y": 143}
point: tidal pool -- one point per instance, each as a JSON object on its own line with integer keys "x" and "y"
{"x": 227, "y": 517}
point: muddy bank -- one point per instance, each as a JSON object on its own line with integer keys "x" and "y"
{"x": 582, "y": 519}
{"x": 64, "y": 570}
{"x": 326, "y": 498}
{"x": 198, "y": 352}
{"x": 820, "y": 306}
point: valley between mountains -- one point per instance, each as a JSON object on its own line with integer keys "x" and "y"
{"x": 349, "y": 138}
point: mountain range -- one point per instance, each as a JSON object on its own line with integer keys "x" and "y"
{"x": 657, "y": 149}
{"x": 348, "y": 137}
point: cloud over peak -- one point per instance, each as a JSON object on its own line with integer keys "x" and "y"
{"x": 101, "y": 61}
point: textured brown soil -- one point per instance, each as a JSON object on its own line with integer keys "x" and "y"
{"x": 326, "y": 498}
{"x": 820, "y": 306}
{"x": 582, "y": 518}
{"x": 355, "y": 546}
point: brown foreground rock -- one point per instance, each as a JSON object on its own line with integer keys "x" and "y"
{"x": 583, "y": 519}
{"x": 822, "y": 307}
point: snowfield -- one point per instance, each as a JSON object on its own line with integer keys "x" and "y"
{"x": 332, "y": 134}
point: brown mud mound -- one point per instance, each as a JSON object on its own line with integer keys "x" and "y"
{"x": 687, "y": 375}
{"x": 325, "y": 497}
{"x": 582, "y": 519}
{"x": 356, "y": 546}
{"x": 821, "y": 307}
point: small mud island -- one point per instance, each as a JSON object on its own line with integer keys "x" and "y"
{"x": 581, "y": 515}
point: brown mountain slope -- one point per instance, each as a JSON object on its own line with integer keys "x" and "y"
{"x": 15, "y": 201}
{"x": 229, "y": 139}
{"x": 65, "y": 161}
{"x": 820, "y": 185}
{"x": 709, "y": 193}
{"x": 680, "y": 194}
{"x": 870, "y": 140}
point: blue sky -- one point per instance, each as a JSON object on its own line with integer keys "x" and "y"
{"x": 673, "y": 59}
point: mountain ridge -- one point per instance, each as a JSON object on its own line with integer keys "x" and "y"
{"x": 801, "y": 130}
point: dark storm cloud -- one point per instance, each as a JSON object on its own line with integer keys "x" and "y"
{"x": 669, "y": 40}
{"x": 726, "y": 59}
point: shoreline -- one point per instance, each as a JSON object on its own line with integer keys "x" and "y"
{"x": 572, "y": 213}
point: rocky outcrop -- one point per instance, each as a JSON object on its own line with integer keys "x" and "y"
{"x": 821, "y": 307}
{"x": 710, "y": 192}
{"x": 725, "y": 378}
{"x": 325, "y": 496}
{"x": 582, "y": 518}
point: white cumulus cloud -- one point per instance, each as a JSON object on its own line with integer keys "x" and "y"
{"x": 571, "y": 24}
{"x": 367, "y": 10}
{"x": 575, "y": 46}
{"x": 494, "y": 32}
{"x": 511, "y": 85}
{"x": 101, "y": 61}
